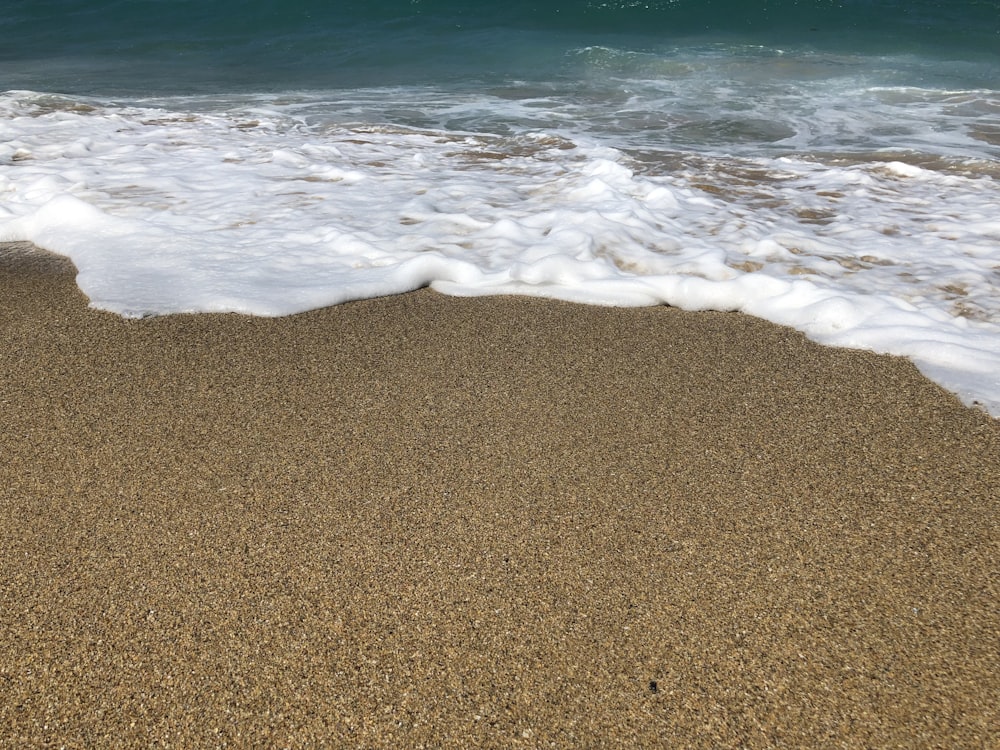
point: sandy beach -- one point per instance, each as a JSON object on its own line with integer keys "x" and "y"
{"x": 425, "y": 521}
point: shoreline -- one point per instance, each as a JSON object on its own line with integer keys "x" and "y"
{"x": 493, "y": 522}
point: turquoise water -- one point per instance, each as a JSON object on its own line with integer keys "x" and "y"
{"x": 177, "y": 46}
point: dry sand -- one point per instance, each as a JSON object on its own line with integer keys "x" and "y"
{"x": 429, "y": 521}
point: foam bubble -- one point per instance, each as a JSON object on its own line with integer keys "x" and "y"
{"x": 271, "y": 206}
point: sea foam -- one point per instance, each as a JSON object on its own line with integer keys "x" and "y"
{"x": 250, "y": 206}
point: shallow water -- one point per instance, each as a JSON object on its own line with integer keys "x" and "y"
{"x": 829, "y": 166}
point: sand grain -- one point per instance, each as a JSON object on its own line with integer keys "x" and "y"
{"x": 505, "y": 522}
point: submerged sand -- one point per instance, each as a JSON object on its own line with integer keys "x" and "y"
{"x": 442, "y": 522}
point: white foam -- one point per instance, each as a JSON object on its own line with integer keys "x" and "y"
{"x": 262, "y": 207}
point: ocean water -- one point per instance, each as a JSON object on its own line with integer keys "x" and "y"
{"x": 831, "y": 165}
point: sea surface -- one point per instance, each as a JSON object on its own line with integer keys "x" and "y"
{"x": 831, "y": 165}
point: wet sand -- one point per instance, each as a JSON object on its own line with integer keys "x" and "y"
{"x": 441, "y": 522}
